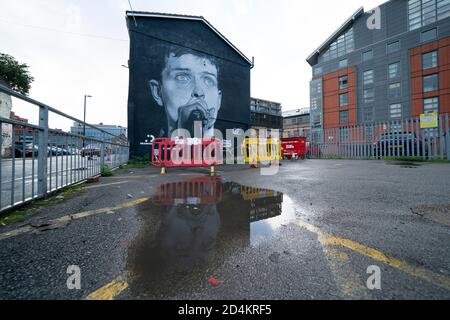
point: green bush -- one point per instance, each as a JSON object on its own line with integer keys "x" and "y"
{"x": 106, "y": 171}
{"x": 144, "y": 161}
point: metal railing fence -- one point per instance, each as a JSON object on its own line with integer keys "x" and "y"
{"x": 36, "y": 160}
{"x": 383, "y": 140}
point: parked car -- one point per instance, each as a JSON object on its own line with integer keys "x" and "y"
{"x": 90, "y": 151}
{"x": 398, "y": 143}
{"x": 25, "y": 149}
{"x": 73, "y": 151}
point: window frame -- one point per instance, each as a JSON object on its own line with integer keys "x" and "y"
{"x": 397, "y": 89}
{"x": 434, "y": 75}
{"x": 429, "y": 53}
{"x": 391, "y": 43}
{"x": 342, "y": 112}
{"x": 347, "y": 102}
{"x": 372, "y": 97}
{"x": 364, "y": 54}
{"x": 431, "y": 98}
{"x": 372, "y": 71}
{"x": 341, "y": 66}
{"x": 397, "y": 105}
{"x": 398, "y": 71}
{"x": 424, "y": 32}
{"x": 341, "y": 82}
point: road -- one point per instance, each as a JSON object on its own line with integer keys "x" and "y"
{"x": 319, "y": 229}
{"x": 62, "y": 170}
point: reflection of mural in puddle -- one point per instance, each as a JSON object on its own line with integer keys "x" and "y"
{"x": 194, "y": 225}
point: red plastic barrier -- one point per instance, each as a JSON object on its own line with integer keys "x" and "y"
{"x": 192, "y": 152}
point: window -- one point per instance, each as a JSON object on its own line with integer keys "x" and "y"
{"x": 395, "y": 90}
{"x": 369, "y": 132}
{"x": 343, "y": 63}
{"x": 314, "y": 103}
{"x": 316, "y": 121}
{"x": 431, "y": 105}
{"x": 424, "y": 12}
{"x": 431, "y": 83}
{"x": 429, "y": 35}
{"x": 368, "y": 114}
{"x": 343, "y": 117}
{"x": 341, "y": 46}
{"x": 343, "y": 82}
{"x": 343, "y": 99}
{"x": 368, "y": 77}
{"x": 429, "y": 60}
{"x": 415, "y": 14}
{"x": 394, "y": 70}
{"x": 395, "y": 111}
{"x": 368, "y": 55}
{"x": 393, "y": 47}
{"x": 316, "y": 87}
{"x": 428, "y": 12}
{"x": 368, "y": 95}
{"x": 318, "y": 71}
{"x": 343, "y": 133}
{"x": 443, "y": 9}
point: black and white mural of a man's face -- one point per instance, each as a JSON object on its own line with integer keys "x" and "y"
{"x": 188, "y": 90}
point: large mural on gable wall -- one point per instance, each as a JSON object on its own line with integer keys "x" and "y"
{"x": 182, "y": 72}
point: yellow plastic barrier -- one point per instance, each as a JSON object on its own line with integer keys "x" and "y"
{"x": 250, "y": 193}
{"x": 261, "y": 150}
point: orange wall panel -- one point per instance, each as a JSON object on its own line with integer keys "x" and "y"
{"x": 331, "y": 94}
{"x": 417, "y": 73}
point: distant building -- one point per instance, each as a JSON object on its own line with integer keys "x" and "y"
{"x": 22, "y": 134}
{"x": 296, "y": 123}
{"x": 265, "y": 114}
{"x": 78, "y": 128}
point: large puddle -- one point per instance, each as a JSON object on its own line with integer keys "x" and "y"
{"x": 194, "y": 225}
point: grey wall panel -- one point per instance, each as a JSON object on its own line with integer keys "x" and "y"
{"x": 394, "y": 26}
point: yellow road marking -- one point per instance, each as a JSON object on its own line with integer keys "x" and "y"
{"x": 72, "y": 217}
{"x": 349, "y": 282}
{"x": 105, "y": 185}
{"x": 16, "y": 232}
{"x": 419, "y": 272}
{"x": 109, "y": 291}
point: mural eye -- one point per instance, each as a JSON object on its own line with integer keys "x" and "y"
{"x": 209, "y": 81}
{"x": 182, "y": 77}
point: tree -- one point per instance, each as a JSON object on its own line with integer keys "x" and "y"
{"x": 15, "y": 74}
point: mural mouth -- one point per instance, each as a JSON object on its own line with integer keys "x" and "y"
{"x": 196, "y": 111}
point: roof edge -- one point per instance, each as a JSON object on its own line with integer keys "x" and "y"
{"x": 333, "y": 36}
{"x": 188, "y": 17}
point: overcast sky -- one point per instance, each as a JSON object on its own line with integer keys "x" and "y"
{"x": 77, "y": 47}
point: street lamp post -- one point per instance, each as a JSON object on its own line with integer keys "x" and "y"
{"x": 84, "y": 119}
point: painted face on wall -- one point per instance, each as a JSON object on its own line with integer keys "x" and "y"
{"x": 189, "y": 91}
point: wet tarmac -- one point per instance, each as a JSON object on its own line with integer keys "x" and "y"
{"x": 309, "y": 232}
{"x": 192, "y": 226}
